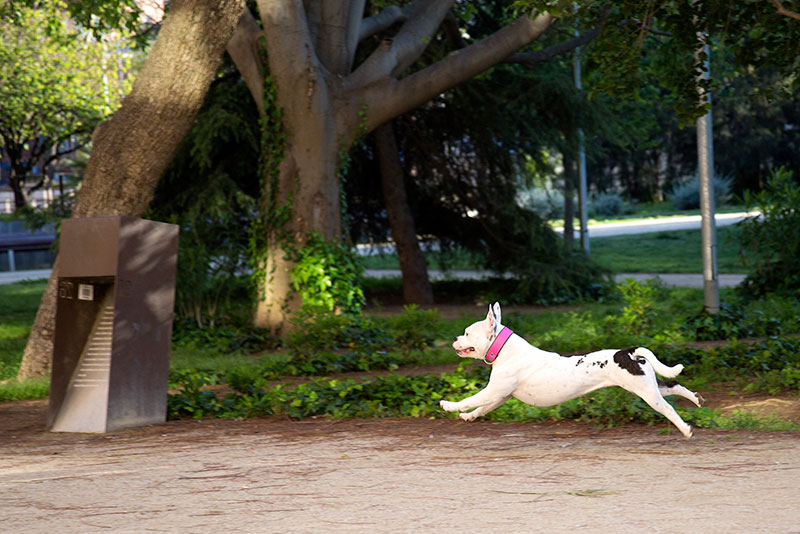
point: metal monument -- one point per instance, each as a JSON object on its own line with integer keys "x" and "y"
{"x": 116, "y": 291}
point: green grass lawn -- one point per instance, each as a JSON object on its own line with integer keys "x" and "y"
{"x": 675, "y": 251}
{"x": 18, "y": 305}
{"x": 665, "y": 252}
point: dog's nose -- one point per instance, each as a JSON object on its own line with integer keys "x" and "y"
{"x": 455, "y": 339}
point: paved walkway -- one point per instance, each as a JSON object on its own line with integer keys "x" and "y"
{"x": 18, "y": 276}
{"x": 693, "y": 280}
{"x": 661, "y": 224}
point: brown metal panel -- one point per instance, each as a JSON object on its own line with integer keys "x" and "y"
{"x": 88, "y": 247}
{"x": 143, "y": 322}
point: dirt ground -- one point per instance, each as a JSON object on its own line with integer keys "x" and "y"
{"x": 392, "y": 475}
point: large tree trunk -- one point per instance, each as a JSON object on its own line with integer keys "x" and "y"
{"x": 416, "y": 286}
{"x": 325, "y": 104}
{"x": 309, "y": 187}
{"x": 132, "y": 150}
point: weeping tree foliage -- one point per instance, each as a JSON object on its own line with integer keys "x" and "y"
{"x": 211, "y": 191}
{"x": 641, "y": 38}
{"x": 463, "y": 156}
{"x": 646, "y": 58}
{"x": 753, "y": 134}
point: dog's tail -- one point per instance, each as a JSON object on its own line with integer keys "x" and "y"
{"x": 659, "y": 367}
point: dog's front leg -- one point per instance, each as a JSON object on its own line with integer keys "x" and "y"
{"x": 482, "y": 410}
{"x": 482, "y": 402}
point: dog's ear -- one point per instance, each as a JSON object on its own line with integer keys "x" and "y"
{"x": 497, "y": 316}
{"x": 494, "y": 318}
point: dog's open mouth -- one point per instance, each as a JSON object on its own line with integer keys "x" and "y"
{"x": 464, "y": 352}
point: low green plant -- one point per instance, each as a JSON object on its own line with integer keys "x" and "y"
{"x": 415, "y": 329}
{"x": 27, "y": 389}
{"x": 418, "y": 396}
{"x": 327, "y": 276}
{"x": 737, "y": 420}
{"x": 187, "y": 336}
{"x": 639, "y": 313}
{"x": 194, "y": 399}
{"x": 732, "y": 321}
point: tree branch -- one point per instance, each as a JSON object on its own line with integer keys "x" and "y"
{"x": 531, "y": 58}
{"x": 390, "y": 98}
{"x": 394, "y": 56}
{"x": 453, "y": 31}
{"x": 377, "y": 23}
{"x": 334, "y": 26}
{"x": 355, "y": 24}
{"x": 783, "y": 11}
{"x": 243, "y": 49}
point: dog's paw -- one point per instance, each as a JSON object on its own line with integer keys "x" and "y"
{"x": 700, "y": 400}
{"x": 468, "y": 417}
{"x": 447, "y": 406}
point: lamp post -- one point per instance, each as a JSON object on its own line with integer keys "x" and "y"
{"x": 705, "y": 174}
{"x": 582, "y": 189}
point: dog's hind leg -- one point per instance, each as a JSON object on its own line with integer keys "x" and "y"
{"x": 649, "y": 392}
{"x": 671, "y": 387}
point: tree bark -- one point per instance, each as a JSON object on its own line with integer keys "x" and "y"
{"x": 325, "y": 105}
{"x": 133, "y": 149}
{"x": 416, "y": 285}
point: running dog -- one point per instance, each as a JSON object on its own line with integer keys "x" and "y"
{"x": 542, "y": 378}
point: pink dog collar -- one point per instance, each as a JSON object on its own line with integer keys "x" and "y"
{"x": 497, "y": 344}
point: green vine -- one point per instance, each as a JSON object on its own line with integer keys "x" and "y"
{"x": 344, "y": 164}
{"x": 325, "y": 275}
{"x": 274, "y": 214}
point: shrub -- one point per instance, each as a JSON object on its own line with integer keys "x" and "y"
{"x": 326, "y": 342}
{"x": 686, "y": 195}
{"x": 607, "y": 204}
{"x": 732, "y": 322}
{"x": 415, "y": 329}
{"x": 770, "y": 244}
{"x": 548, "y": 204}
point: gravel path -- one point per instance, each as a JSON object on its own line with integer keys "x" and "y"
{"x": 392, "y": 475}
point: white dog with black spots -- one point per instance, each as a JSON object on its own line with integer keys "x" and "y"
{"x": 542, "y": 378}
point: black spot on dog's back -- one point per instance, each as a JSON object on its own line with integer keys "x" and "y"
{"x": 625, "y": 361}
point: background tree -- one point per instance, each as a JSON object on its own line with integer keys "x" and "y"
{"x": 56, "y": 85}
{"x": 133, "y": 149}
{"x": 313, "y": 45}
{"x": 756, "y": 129}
